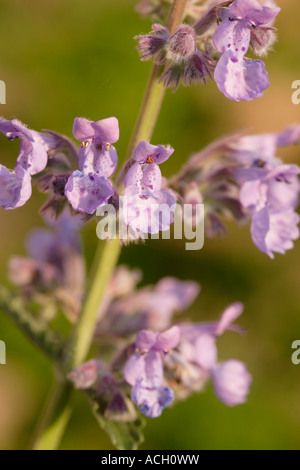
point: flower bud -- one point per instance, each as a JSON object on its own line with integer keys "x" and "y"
{"x": 182, "y": 44}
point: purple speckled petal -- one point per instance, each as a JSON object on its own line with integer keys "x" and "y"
{"x": 232, "y": 36}
{"x": 241, "y": 80}
{"x": 95, "y": 157}
{"x": 86, "y": 193}
{"x": 14, "y": 191}
{"x": 145, "y": 177}
{"x": 231, "y": 381}
{"x": 148, "y": 212}
{"x": 158, "y": 153}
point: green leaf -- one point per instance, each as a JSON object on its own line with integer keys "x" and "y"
{"x": 124, "y": 436}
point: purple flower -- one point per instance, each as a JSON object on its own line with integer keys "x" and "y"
{"x": 241, "y": 80}
{"x": 148, "y": 208}
{"x": 231, "y": 381}
{"x": 144, "y": 371}
{"x": 89, "y": 188}
{"x": 33, "y": 155}
{"x": 272, "y": 197}
{"x": 236, "y": 77}
{"x": 97, "y": 155}
{"x": 274, "y": 231}
{"x": 86, "y": 192}
{"x": 16, "y": 185}
{"x": 197, "y": 348}
{"x": 14, "y": 190}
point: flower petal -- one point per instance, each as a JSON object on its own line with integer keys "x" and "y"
{"x": 241, "y": 80}
{"x": 86, "y": 193}
{"x": 14, "y": 191}
{"x": 168, "y": 339}
{"x": 151, "y": 401}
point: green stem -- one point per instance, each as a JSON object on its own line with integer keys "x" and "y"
{"x": 54, "y": 419}
{"x": 50, "y": 434}
{"x": 84, "y": 330}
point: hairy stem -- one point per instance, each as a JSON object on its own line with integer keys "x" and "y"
{"x": 39, "y": 333}
{"x": 50, "y": 433}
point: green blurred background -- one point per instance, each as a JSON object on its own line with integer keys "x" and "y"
{"x": 67, "y": 58}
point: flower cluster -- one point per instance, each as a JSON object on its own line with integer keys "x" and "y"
{"x": 228, "y": 28}
{"x": 148, "y": 207}
{"x": 165, "y": 363}
{"x": 270, "y": 191}
{"x": 246, "y": 179}
{"x": 54, "y": 273}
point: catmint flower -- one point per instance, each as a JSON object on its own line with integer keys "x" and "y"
{"x": 89, "y": 188}
{"x": 33, "y": 155}
{"x": 97, "y": 154}
{"x": 197, "y": 347}
{"x": 144, "y": 371}
{"x": 231, "y": 381}
{"x": 14, "y": 190}
{"x": 148, "y": 208}
{"x": 86, "y": 193}
{"x": 236, "y": 77}
{"x": 272, "y": 196}
{"x": 32, "y": 159}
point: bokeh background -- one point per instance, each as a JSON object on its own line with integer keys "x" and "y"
{"x": 68, "y": 58}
